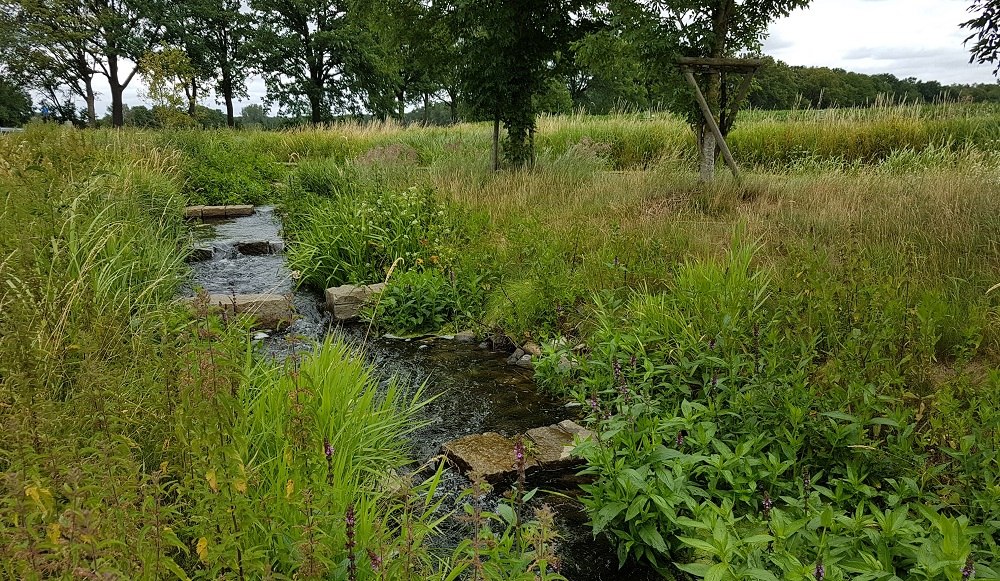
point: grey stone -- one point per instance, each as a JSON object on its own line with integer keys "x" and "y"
{"x": 260, "y": 336}
{"x": 489, "y": 456}
{"x": 553, "y": 445}
{"x": 254, "y": 248}
{"x": 446, "y": 337}
{"x": 515, "y": 357}
{"x": 277, "y": 246}
{"x": 424, "y": 346}
{"x": 525, "y": 362}
{"x": 466, "y": 337}
{"x": 345, "y": 302}
{"x": 201, "y": 254}
{"x": 484, "y": 345}
{"x": 566, "y": 364}
{"x": 270, "y": 311}
{"x": 532, "y": 349}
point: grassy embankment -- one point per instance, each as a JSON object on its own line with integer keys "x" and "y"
{"x": 793, "y": 373}
{"x": 141, "y": 443}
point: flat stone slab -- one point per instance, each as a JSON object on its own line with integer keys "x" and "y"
{"x": 200, "y": 212}
{"x": 490, "y": 456}
{"x": 270, "y": 311}
{"x": 345, "y": 302}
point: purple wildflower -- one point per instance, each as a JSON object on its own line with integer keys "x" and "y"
{"x": 969, "y": 570}
{"x": 519, "y": 452}
{"x": 820, "y": 572}
{"x": 352, "y": 565}
{"x": 767, "y": 504}
{"x": 680, "y": 438}
{"x": 806, "y": 482}
{"x": 376, "y": 560}
{"x": 328, "y": 449}
{"x": 711, "y": 345}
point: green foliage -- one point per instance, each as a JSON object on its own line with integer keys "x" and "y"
{"x": 15, "y": 104}
{"x": 219, "y": 170}
{"x": 342, "y": 234}
{"x": 986, "y": 48}
{"x": 427, "y": 300}
{"x": 317, "y": 56}
{"x": 744, "y": 434}
{"x": 505, "y": 68}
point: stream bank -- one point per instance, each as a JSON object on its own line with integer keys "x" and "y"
{"x": 474, "y": 390}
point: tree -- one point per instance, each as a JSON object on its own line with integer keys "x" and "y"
{"x": 168, "y": 73}
{"x": 714, "y": 29}
{"x": 54, "y": 54}
{"x": 315, "y": 55}
{"x": 254, "y": 115}
{"x": 122, "y": 30}
{"x": 417, "y": 45}
{"x": 216, "y": 36}
{"x": 508, "y": 48}
{"x": 15, "y": 104}
{"x": 985, "y": 27}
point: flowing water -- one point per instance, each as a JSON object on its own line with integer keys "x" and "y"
{"x": 475, "y": 390}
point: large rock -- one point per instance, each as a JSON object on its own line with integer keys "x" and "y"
{"x": 489, "y": 456}
{"x": 552, "y": 445}
{"x": 345, "y": 302}
{"x": 270, "y": 311}
{"x": 201, "y": 254}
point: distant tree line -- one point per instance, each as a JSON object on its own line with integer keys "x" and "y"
{"x": 429, "y": 61}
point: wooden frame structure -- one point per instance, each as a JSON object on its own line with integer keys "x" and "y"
{"x": 747, "y": 68}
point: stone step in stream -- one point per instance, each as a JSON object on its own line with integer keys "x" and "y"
{"x": 202, "y": 212}
{"x": 490, "y": 456}
{"x": 270, "y": 311}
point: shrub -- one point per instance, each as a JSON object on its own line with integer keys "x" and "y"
{"x": 222, "y": 169}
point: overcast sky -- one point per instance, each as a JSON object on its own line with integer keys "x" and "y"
{"x": 907, "y": 38}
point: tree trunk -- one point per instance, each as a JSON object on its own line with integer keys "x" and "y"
{"x": 91, "y": 103}
{"x": 401, "y": 106}
{"x": 315, "y": 105}
{"x": 227, "y": 95}
{"x": 117, "y": 90}
{"x": 496, "y": 144}
{"x": 713, "y": 90}
{"x": 453, "y": 104}
{"x": 427, "y": 111}
{"x": 707, "y": 154}
{"x": 192, "y": 96}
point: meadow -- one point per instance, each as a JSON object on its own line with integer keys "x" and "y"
{"x": 793, "y": 376}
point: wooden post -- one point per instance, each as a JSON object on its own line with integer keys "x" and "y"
{"x": 710, "y": 119}
{"x": 496, "y": 144}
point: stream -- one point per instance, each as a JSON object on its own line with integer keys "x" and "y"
{"x": 476, "y": 391}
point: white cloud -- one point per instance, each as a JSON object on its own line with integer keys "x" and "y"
{"x": 907, "y": 38}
